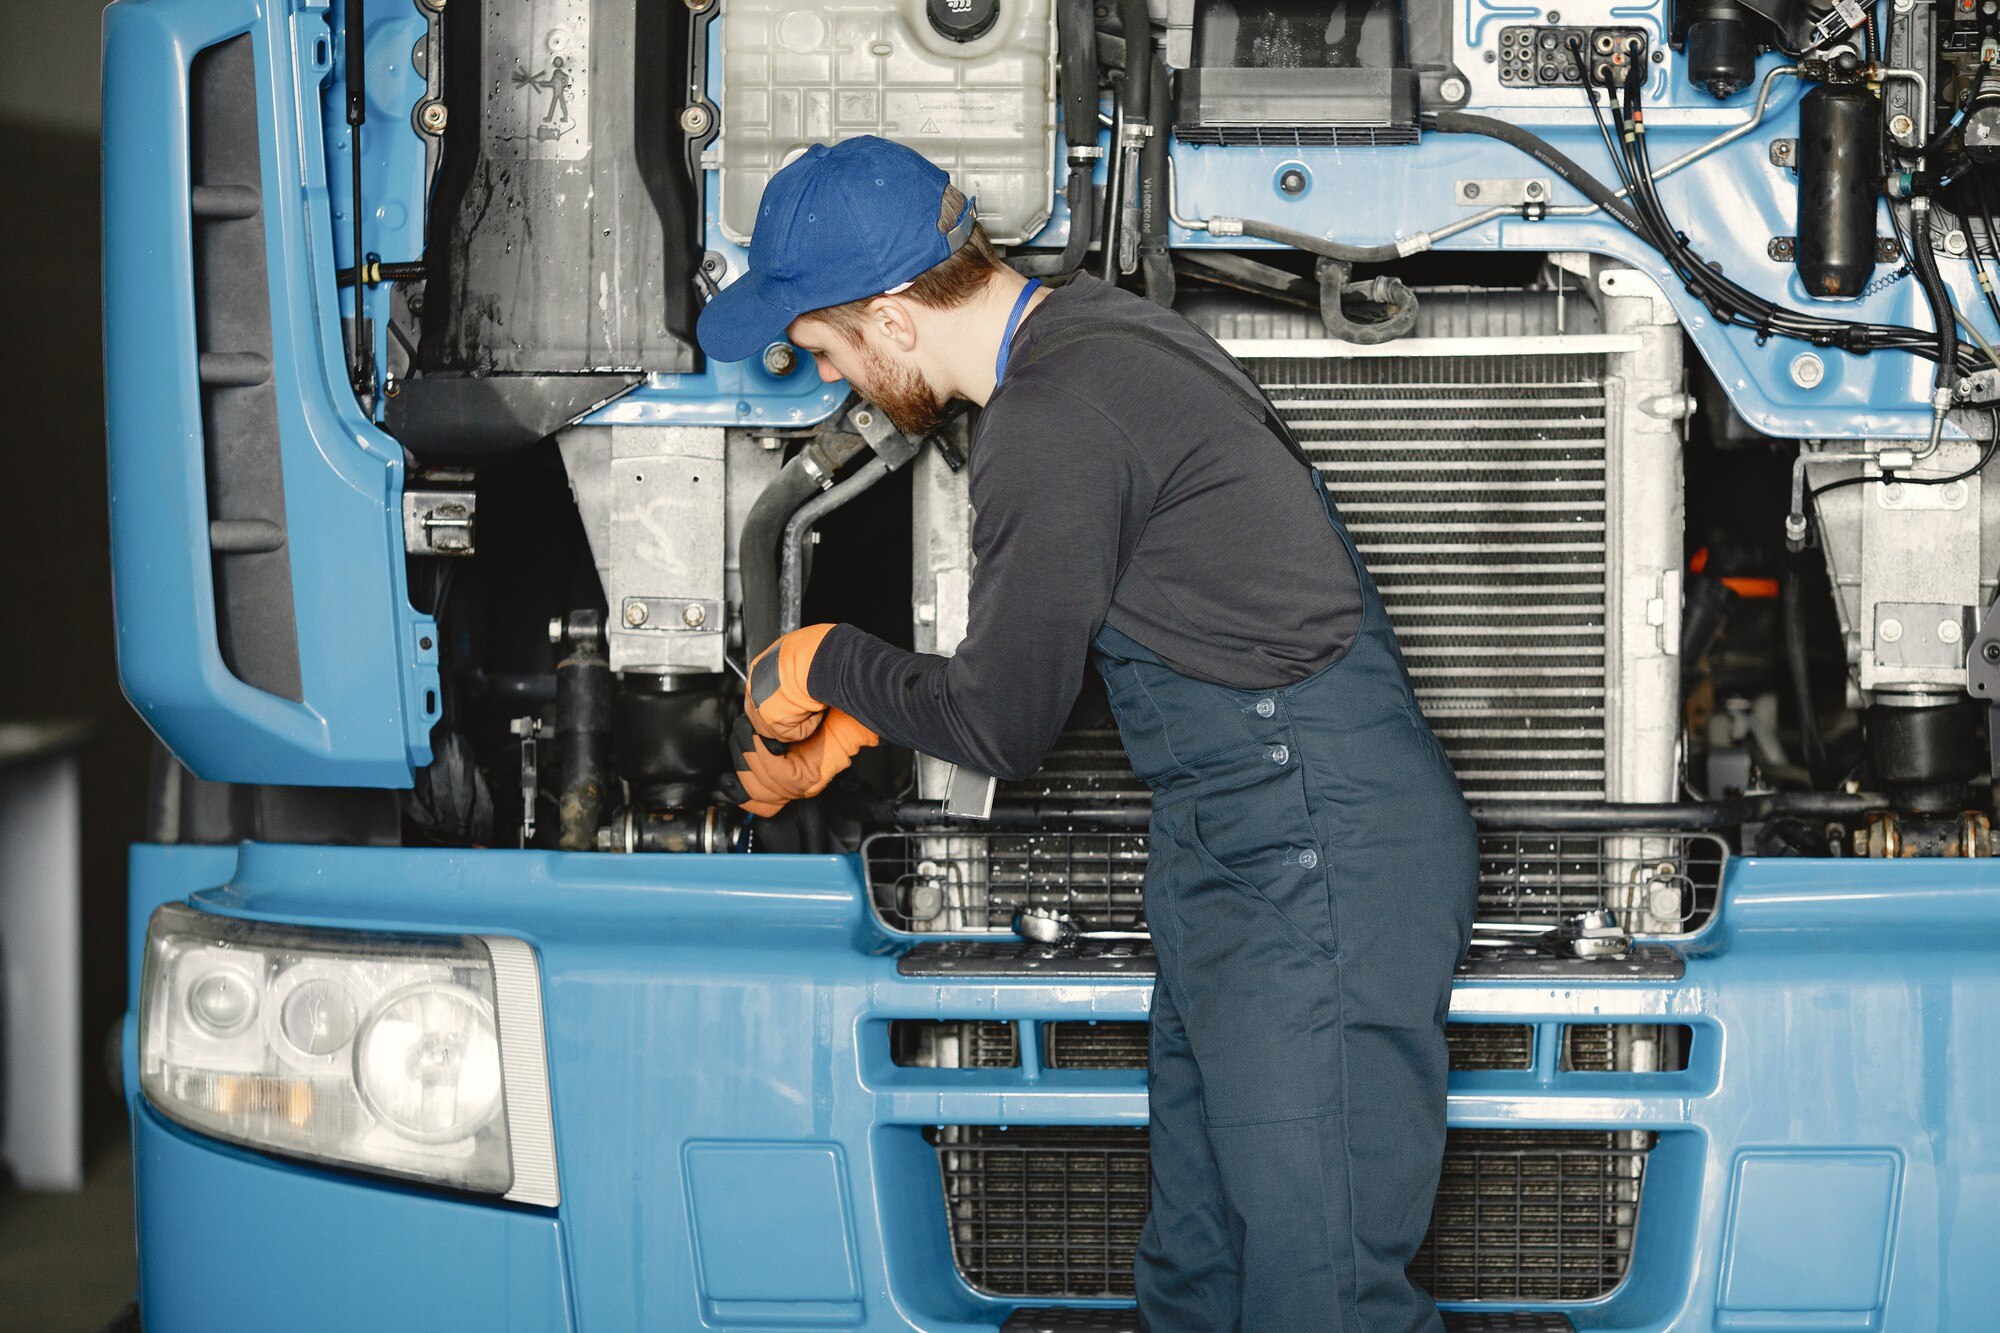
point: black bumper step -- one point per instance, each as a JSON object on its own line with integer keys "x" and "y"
{"x": 1096, "y": 959}
{"x": 1071, "y": 1319}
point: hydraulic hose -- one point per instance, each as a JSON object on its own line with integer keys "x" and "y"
{"x": 757, "y": 552}
{"x": 1544, "y": 152}
{"x": 791, "y": 576}
{"x": 1076, "y": 57}
{"x": 1347, "y": 254}
{"x": 1923, "y": 259}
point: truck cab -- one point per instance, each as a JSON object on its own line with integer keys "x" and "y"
{"x": 1646, "y": 349}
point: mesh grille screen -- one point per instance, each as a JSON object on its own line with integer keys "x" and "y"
{"x": 1520, "y": 1214}
{"x": 1475, "y": 488}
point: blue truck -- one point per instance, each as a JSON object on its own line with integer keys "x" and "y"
{"x": 1646, "y": 347}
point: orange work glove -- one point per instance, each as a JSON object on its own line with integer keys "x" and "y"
{"x": 769, "y": 774}
{"x": 775, "y": 697}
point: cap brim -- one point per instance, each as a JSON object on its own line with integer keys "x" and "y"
{"x": 739, "y": 323}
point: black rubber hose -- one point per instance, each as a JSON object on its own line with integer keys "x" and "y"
{"x": 1156, "y": 264}
{"x": 1923, "y": 259}
{"x": 1137, "y": 24}
{"x": 758, "y": 556}
{"x": 1544, "y": 152}
{"x": 1298, "y": 240}
{"x": 1793, "y": 606}
{"x": 1076, "y": 58}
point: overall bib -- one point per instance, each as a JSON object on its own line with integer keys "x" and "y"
{"x": 1310, "y": 887}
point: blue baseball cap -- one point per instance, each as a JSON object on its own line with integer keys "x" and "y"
{"x": 857, "y": 219}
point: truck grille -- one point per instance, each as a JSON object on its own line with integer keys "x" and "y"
{"x": 1542, "y": 1215}
{"x": 1656, "y": 883}
{"x": 1475, "y": 488}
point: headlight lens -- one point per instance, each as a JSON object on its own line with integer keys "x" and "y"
{"x": 372, "y": 1051}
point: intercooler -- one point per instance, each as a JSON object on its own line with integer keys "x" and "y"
{"x": 1521, "y": 1215}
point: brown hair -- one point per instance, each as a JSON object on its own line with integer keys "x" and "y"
{"x": 952, "y": 282}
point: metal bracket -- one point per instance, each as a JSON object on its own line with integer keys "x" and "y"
{"x": 439, "y": 522}
{"x": 1982, "y": 677}
{"x": 1507, "y": 191}
{"x": 685, "y": 615}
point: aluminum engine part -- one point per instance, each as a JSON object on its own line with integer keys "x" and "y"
{"x": 983, "y": 110}
{"x": 1909, "y": 565}
{"x": 941, "y": 574}
{"x": 653, "y": 505}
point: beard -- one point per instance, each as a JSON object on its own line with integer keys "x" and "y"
{"x": 905, "y": 397}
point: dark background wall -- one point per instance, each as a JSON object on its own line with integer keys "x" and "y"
{"x": 57, "y": 584}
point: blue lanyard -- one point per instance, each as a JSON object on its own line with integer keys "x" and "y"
{"x": 1013, "y": 322}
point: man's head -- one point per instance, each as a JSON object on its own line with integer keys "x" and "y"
{"x": 862, "y": 251}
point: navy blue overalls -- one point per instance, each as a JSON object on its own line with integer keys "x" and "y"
{"x": 1310, "y": 888}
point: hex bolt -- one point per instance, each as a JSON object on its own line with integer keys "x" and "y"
{"x": 1948, "y": 631}
{"x": 1901, "y": 127}
{"x": 1991, "y": 652}
{"x": 1533, "y": 190}
{"x": 1808, "y": 370}
{"x": 1891, "y": 630}
{"x": 1892, "y": 492}
{"x": 1952, "y": 493}
{"x": 1470, "y": 189}
{"x": 1292, "y": 181}
{"x": 435, "y": 6}
{"x": 555, "y": 629}
{"x": 1954, "y": 242}
{"x": 694, "y": 119}
{"x": 694, "y": 615}
{"x": 432, "y": 117}
{"x": 635, "y": 614}
{"x": 1452, "y": 90}
{"x": 781, "y": 359}
{"x": 864, "y": 418}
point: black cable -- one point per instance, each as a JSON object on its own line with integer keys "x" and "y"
{"x": 1544, "y": 152}
{"x": 1603, "y": 129}
{"x": 1298, "y": 240}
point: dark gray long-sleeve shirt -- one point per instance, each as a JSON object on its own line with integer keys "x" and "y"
{"x": 1110, "y": 484}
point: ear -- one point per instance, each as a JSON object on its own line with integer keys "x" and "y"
{"x": 892, "y": 318}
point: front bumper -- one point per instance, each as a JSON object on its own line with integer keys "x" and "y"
{"x": 738, "y": 1149}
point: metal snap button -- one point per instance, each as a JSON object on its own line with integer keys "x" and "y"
{"x": 1308, "y": 858}
{"x": 1280, "y": 754}
{"x": 1266, "y": 707}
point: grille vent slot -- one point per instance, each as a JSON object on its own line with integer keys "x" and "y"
{"x": 256, "y": 622}
{"x": 1521, "y": 1215}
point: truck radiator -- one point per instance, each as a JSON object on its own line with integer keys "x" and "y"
{"x": 1521, "y": 1215}
{"x": 1656, "y": 883}
{"x": 1475, "y": 488}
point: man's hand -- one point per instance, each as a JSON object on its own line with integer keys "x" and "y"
{"x": 769, "y": 774}
{"x": 775, "y": 697}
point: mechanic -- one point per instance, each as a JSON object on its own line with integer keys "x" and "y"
{"x": 1138, "y": 504}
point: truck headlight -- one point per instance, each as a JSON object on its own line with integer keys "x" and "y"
{"x": 415, "y": 1056}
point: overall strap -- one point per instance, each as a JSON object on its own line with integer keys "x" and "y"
{"x": 1252, "y": 401}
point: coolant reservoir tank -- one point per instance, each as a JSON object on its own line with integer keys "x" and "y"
{"x": 983, "y": 109}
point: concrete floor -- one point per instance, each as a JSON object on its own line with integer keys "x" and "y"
{"x": 66, "y": 1260}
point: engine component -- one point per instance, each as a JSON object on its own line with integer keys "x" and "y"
{"x": 676, "y": 828}
{"x": 1265, "y": 69}
{"x": 1721, "y": 56}
{"x": 653, "y": 502}
{"x": 1969, "y": 834}
{"x": 1923, "y": 753}
{"x": 1840, "y": 172}
{"x": 559, "y": 136}
{"x": 1545, "y": 650}
{"x": 668, "y": 731}
{"x": 1539, "y": 57}
{"x": 1982, "y": 119}
{"x": 981, "y": 105}
{"x": 583, "y": 730}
